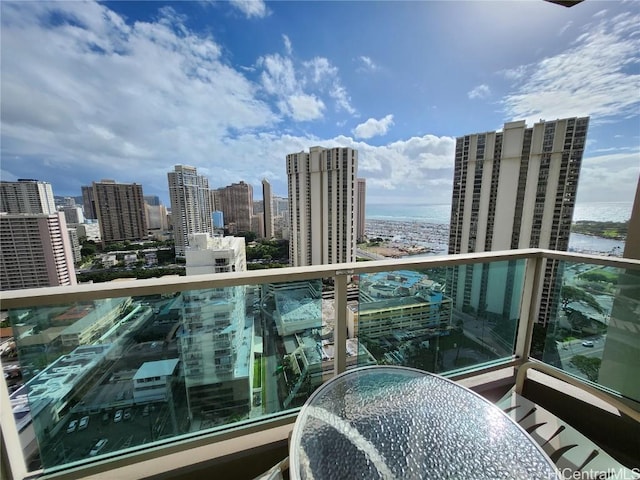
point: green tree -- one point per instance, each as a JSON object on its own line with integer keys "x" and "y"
{"x": 587, "y": 365}
{"x": 574, "y": 294}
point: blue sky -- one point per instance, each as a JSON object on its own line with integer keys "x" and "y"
{"x": 126, "y": 90}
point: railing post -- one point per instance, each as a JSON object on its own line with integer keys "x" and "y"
{"x": 340, "y": 282}
{"x": 530, "y": 305}
{"x": 12, "y": 465}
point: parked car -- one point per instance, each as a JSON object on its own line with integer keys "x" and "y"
{"x": 118, "y": 416}
{"x": 105, "y": 417}
{"x": 84, "y": 421}
{"x": 145, "y": 411}
{"x": 97, "y": 447}
{"x": 73, "y": 424}
{"x": 587, "y": 343}
{"x": 127, "y": 414}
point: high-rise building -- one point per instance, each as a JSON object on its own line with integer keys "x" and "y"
{"x": 280, "y": 206}
{"x": 267, "y": 200}
{"x": 156, "y": 216}
{"x": 236, "y": 203}
{"x": 218, "y": 219}
{"x": 152, "y": 200}
{"x": 190, "y": 205}
{"x": 206, "y": 254}
{"x": 321, "y": 205}
{"x": 216, "y": 337}
{"x": 72, "y": 214}
{"x": 26, "y": 196}
{"x": 360, "y": 210}
{"x": 74, "y": 241}
{"x": 513, "y": 189}
{"x": 120, "y": 209}
{"x": 35, "y": 251}
{"x": 89, "y": 203}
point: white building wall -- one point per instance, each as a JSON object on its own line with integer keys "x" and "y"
{"x": 322, "y": 189}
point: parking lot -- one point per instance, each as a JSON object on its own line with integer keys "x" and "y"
{"x": 137, "y": 430}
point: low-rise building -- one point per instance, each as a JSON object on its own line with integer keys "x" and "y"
{"x": 152, "y": 381}
{"x": 89, "y": 328}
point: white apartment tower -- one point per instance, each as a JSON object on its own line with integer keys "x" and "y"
{"x": 322, "y": 205}
{"x": 360, "y": 210}
{"x": 26, "y": 196}
{"x": 513, "y": 189}
{"x": 35, "y": 251}
{"x": 267, "y": 200}
{"x": 216, "y": 337}
{"x": 190, "y": 205}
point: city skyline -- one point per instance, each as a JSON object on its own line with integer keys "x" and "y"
{"x": 184, "y": 84}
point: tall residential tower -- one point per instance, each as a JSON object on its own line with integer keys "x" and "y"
{"x": 120, "y": 210}
{"x": 360, "y": 210}
{"x": 321, "y": 205}
{"x": 26, "y": 196}
{"x": 35, "y": 251}
{"x": 267, "y": 200}
{"x": 513, "y": 189}
{"x": 236, "y": 203}
{"x": 190, "y": 205}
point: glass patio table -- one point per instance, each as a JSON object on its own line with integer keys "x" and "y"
{"x": 395, "y": 422}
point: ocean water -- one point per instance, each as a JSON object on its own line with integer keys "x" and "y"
{"x": 441, "y": 214}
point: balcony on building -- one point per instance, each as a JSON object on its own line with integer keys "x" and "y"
{"x": 224, "y": 402}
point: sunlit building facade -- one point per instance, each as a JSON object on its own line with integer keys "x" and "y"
{"x": 513, "y": 189}
{"x": 322, "y": 201}
{"x": 190, "y": 205}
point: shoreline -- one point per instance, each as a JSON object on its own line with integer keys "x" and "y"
{"x": 406, "y": 238}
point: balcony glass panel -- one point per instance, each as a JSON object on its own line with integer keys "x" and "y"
{"x": 103, "y": 376}
{"x": 594, "y": 331}
{"x": 441, "y": 319}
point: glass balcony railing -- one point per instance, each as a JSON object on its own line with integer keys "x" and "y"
{"x": 594, "y": 331}
{"x": 441, "y": 319}
{"x": 99, "y": 371}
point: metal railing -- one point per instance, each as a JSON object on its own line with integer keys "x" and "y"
{"x": 12, "y": 460}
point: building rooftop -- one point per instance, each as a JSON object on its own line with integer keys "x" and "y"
{"x": 159, "y": 368}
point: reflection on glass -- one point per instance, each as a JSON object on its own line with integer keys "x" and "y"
{"x": 102, "y": 376}
{"x": 595, "y": 332}
{"x": 442, "y": 319}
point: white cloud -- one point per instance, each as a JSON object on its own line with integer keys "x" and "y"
{"x": 95, "y": 91}
{"x": 481, "y": 91}
{"x": 251, "y": 8}
{"x": 515, "y": 73}
{"x": 603, "y": 174}
{"x": 565, "y": 28}
{"x": 305, "y": 107}
{"x": 340, "y": 95}
{"x": 373, "y": 127}
{"x": 320, "y": 69}
{"x": 299, "y": 90}
{"x": 418, "y": 167}
{"x": 593, "y": 77}
{"x": 287, "y": 44}
{"x": 325, "y": 76}
{"x": 367, "y": 64}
